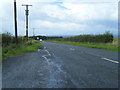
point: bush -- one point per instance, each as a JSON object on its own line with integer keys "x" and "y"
{"x": 7, "y": 39}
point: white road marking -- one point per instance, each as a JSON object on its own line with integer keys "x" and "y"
{"x": 44, "y": 57}
{"x": 48, "y": 52}
{"x": 110, "y": 60}
{"x": 72, "y": 49}
{"x": 38, "y": 50}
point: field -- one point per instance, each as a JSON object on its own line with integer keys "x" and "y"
{"x": 106, "y": 46}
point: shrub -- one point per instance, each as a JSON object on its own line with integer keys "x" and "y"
{"x": 7, "y": 39}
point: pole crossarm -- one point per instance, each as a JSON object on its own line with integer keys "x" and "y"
{"x": 26, "y": 5}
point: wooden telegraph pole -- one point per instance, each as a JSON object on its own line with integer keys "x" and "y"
{"x": 15, "y": 18}
{"x": 27, "y": 13}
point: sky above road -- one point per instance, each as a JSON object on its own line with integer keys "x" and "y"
{"x": 61, "y": 17}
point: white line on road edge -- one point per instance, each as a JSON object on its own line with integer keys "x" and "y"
{"x": 48, "y": 52}
{"x": 38, "y": 50}
{"x": 44, "y": 57}
{"x": 44, "y": 47}
{"x": 110, "y": 60}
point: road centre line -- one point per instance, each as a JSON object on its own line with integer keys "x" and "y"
{"x": 110, "y": 60}
{"x": 72, "y": 49}
{"x": 103, "y": 57}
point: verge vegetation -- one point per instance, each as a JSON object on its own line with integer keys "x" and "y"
{"x": 10, "y": 48}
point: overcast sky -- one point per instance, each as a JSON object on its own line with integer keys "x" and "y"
{"x": 61, "y": 17}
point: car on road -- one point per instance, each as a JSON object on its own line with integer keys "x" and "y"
{"x": 40, "y": 40}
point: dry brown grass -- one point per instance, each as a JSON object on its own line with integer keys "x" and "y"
{"x": 116, "y": 42}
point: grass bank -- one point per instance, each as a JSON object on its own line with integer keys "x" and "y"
{"x": 105, "y": 46}
{"x": 23, "y": 47}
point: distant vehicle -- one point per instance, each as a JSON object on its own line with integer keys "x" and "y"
{"x": 40, "y": 40}
{"x": 37, "y": 38}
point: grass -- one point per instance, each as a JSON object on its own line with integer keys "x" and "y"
{"x": 14, "y": 49}
{"x": 105, "y": 46}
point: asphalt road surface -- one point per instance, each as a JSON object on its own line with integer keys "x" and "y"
{"x": 62, "y": 66}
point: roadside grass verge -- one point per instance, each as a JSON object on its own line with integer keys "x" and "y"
{"x": 23, "y": 47}
{"x": 105, "y": 46}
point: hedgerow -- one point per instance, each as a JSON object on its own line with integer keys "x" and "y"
{"x": 101, "y": 38}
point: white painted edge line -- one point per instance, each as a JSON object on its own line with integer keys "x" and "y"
{"x": 53, "y": 54}
{"x": 48, "y": 52}
{"x": 44, "y": 57}
{"x": 110, "y": 60}
{"x": 38, "y": 50}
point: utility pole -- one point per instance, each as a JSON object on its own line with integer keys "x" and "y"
{"x": 27, "y": 13}
{"x": 33, "y": 33}
{"x": 15, "y": 18}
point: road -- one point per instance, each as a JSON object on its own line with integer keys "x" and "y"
{"x": 62, "y": 66}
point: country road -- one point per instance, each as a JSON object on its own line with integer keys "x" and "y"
{"x": 62, "y": 66}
